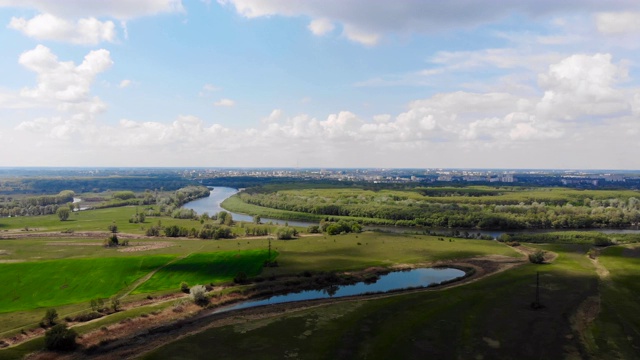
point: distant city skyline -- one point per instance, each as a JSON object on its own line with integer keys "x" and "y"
{"x": 320, "y": 84}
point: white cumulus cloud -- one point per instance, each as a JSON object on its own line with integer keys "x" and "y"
{"x": 321, "y": 26}
{"x": 224, "y": 103}
{"x": 89, "y": 31}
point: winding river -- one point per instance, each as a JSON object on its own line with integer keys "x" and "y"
{"x": 212, "y": 206}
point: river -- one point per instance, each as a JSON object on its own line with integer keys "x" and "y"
{"x": 219, "y": 194}
{"x": 212, "y": 206}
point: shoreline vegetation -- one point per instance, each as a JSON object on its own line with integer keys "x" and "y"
{"x": 474, "y": 207}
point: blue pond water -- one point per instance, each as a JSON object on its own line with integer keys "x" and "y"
{"x": 392, "y": 281}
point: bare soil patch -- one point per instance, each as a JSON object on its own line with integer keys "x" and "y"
{"x": 69, "y": 243}
{"x": 146, "y": 246}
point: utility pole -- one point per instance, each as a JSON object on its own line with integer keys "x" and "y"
{"x": 536, "y": 304}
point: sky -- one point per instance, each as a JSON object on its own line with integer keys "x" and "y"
{"x": 320, "y": 83}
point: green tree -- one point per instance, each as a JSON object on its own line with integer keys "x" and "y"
{"x": 60, "y": 338}
{"x": 63, "y": 213}
{"x": 199, "y": 295}
{"x": 50, "y": 318}
{"x": 537, "y": 257}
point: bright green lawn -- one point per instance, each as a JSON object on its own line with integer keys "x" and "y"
{"x": 205, "y": 268}
{"x": 29, "y": 285}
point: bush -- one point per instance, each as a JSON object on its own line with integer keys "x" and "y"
{"x": 537, "y": 257}
{"x": 97, "y": 305}
{"x": 602, "y": 241}
{"x": 184, "y": 287}
{"x": 199, "y": 295}
{"x": 88, "y": 316}
{"x": 286, "y": 233}
{"x": 124, "y": 195}
{"x": 63, "y": 213}
{"x": 153, "y": 231}
{"x": 60, "y": 338}
{"x": 111, "y": 241}
{"x": 313, "y": 229}
{"x": 115, "y": 304}
{"x": 241, "y": 278}
{"x": 49, "y": 318}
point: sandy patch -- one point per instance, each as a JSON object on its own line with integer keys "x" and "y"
{"x": 494, "y": 344}
{"x": 146, "y": 246}
{"x": 66, "y": 243}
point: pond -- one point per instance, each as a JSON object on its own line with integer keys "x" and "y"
{"x": 396, "y": 280}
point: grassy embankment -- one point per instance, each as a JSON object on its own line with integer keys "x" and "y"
{"x": 490, "y": 318}
{"x": 619, "y": 316}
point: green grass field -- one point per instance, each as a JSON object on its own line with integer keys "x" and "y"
{"x": 206, "y": 268}
{"x": 39, "y": 284}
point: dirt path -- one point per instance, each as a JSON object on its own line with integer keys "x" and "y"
{"x": 549, "y": 256}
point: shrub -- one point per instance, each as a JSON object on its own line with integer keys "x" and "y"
{"x": 60, "y": 338}
{"x": 49, "y": 318}
{"x": 199, "y": 295}
{"x": 124, "y": 195}
{"x": 313, "y": 229}
{"x": 153, "y": 231}
{"x": 115, "y": 304}
{"x": 84, "y": 317}
{"x": 184, "y": 287}
{"x": 286, "y": 233}
{"x": 537, "y": 257}
{"x": 602, "y": 241}
{"x": 241, "y": 278}
{"x": 97, "y": 304}
{"x": 63, "y": 213}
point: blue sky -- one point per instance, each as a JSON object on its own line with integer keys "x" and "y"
{"x": 331, "y": 83}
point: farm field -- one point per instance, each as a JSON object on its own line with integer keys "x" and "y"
{"x": 39, "y": 284}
